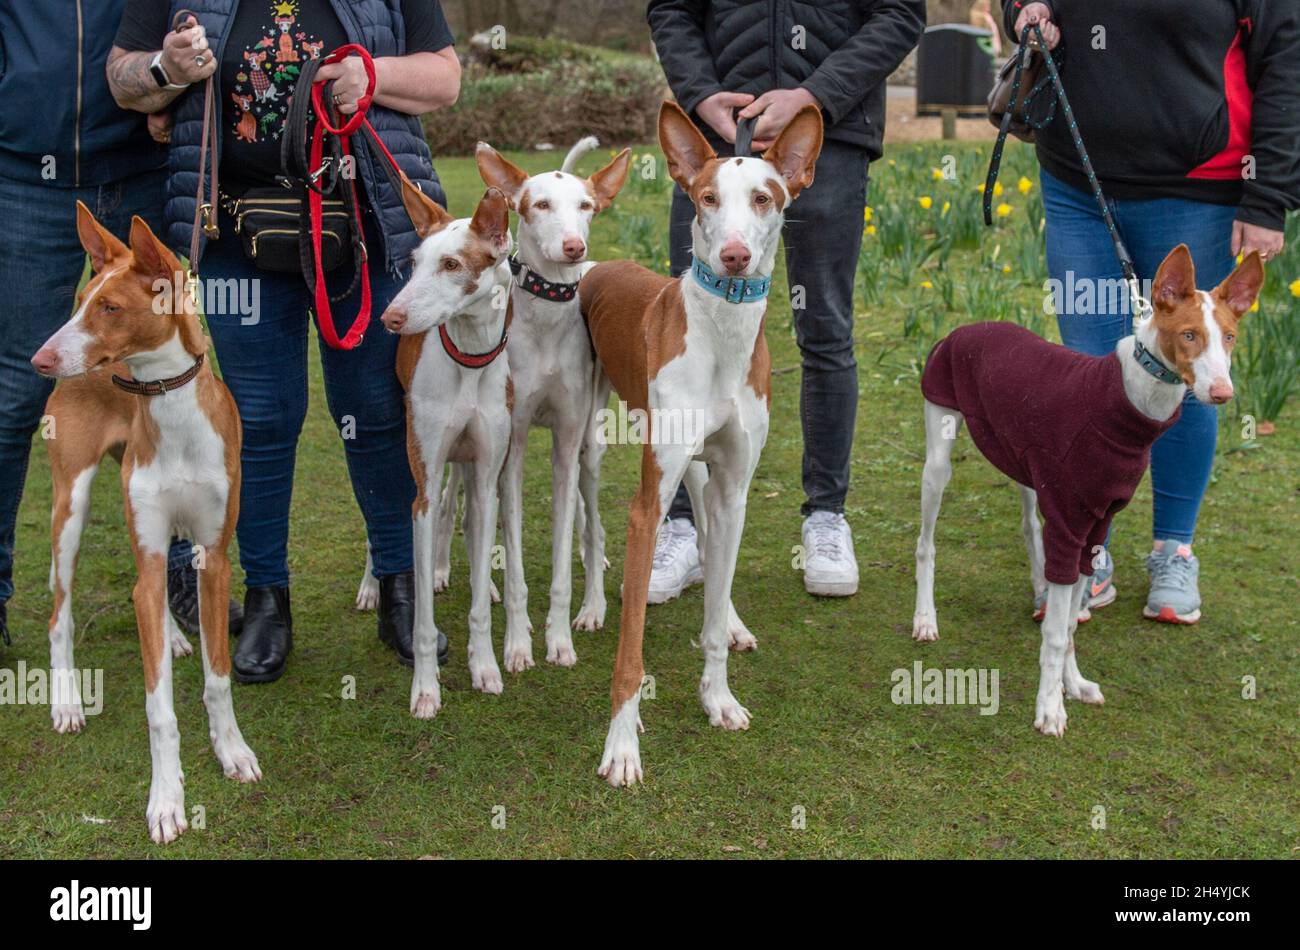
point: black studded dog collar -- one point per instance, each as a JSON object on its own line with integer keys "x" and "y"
{"x": 543, "y": 289}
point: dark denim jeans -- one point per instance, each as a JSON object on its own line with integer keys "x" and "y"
{"x": 1077, "y": 242}
{"x": 41, "y": 264}
{"x": 265, "y": 365}
{"x": 823, "y": 234}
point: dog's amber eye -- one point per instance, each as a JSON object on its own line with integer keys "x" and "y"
{"x": 450, "y": 263}
{"x": 1229, "y": 337}
{"x": 1189, "y": 336}
{"x": 542, "y": 205}
{"x": 709, "y": 199}
{"x": 587, "y": 206}
{"x": 107, "y": 307}
{"x": 761, "y": 198}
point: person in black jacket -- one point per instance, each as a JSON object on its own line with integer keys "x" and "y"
{"x": 1191, "y": 116}
{"x": 730, "y": 59}
{"x": 62, "y": 140}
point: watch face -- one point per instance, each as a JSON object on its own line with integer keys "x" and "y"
{"x": 159, "y": 74}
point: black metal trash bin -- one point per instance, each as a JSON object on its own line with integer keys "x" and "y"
{"x": 954, "y": 70}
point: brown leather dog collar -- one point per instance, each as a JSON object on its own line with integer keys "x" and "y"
{"x": 156, "y": 387}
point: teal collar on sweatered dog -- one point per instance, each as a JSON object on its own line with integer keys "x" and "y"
{"x": 1152, "y": 364}
{"x": 730, "y": 289}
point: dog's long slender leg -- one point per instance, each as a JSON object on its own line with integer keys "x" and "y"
{"x": 941, "y": 428}
{"x": 518, "y": 653}
{"x": 426, "y": 697}
{"x": 448, "y": 499}
{"x": 696, "y": 481}
{"x": 1062, "y": 605}
{"x": 1033, "y": 533}
{"x": 662, "y": 468}
{"x": 166, "y": 810}
{"x": 67, "y": 520}
{"x": 725, "y": 495}
{"x": 566, "y": 445}
{"x": 236, "y": 758}
{"x": 480, "y": 532}
{"x": 591, "y": 616}
{"x": 1076, "y": 687}
{"x": 368, "y": 589}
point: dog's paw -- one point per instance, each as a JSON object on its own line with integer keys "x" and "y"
{"x": 425, "y": 703}
{"x": 441, "y": 579}
{"x": 1085, "y": 691}
{"x": 368, "y": 593}
{"x": 166, "y": 813}
{"x": 485, "y": 676}
{"x": 591, "y": 616}
{"x": 621, "y": 763}
{"x": 1049, "y": 715}
{"x": 237, "y": 759}
{"x": 560, "y": 651}
{"x": 925, "y": 628}
{"x": 723, "y": 708}
{"x": 180, "y": 645}
{"x": 67, "y": 717}
{"x": 518, "y": 654}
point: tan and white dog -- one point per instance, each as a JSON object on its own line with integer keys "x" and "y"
{"x": 1016, "y": 392}
{"x": 453, "y": 315}
{"x": 555, "y": 382}
{"x": 175, "y": 428}
{"x": 694, "y": 347}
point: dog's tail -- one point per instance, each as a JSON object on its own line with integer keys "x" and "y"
{"x": 580, "y": 148}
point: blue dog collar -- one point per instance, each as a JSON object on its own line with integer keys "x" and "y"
{"x": 730, "y": 289}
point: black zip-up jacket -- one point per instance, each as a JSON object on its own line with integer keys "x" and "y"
{"x": 54, "y": 98}
{"x": 841, "y": 51}
{"x": 1194, "y": 99}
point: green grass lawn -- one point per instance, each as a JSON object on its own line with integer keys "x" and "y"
{"x": 1180, "y": 762}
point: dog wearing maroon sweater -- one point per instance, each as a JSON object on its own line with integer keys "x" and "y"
{"x": 1075, "y": 432}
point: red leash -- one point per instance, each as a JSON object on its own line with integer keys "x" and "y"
{"x": 344, "y": 132}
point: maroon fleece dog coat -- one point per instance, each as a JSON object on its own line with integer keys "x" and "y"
{"x": 1054, "y": 420}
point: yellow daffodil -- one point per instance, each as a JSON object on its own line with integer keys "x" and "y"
{"x": 925, "y": 201}
{"x": 936, "y": 174}
{"x": 947, "y": 206}
{"x": 997, "y": 189}
{"x": 1003, "y": 209}
{"x": 1295, "y": 288}
{"x": 1254, "y": 308}
{"x": 926, "y": 285}
{"x": 867, "y": 213}
{"x": 1006, "y": 268}
{"x": 869, "y": 229}
{"x": 1024, "y": 185}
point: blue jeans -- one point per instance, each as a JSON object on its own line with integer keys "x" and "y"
{"x": 41, "y": 264}
{"x": 265, "y": 365}
{"x": 1077, "y": 241}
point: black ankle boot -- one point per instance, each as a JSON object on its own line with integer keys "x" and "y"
{"x": 397, "y": 618}
{"x": 267, "y": 637}
{"x": 183, "y": 601}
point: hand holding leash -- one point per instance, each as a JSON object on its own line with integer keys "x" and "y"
{"x": 186, "y": 55}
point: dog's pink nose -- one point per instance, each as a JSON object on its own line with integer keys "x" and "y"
{"x": 575, "y": 248}
{"x": 1221, "y": 391}
{"x": 394, "y": 319}
{"x": 735, "y": 257}
{"x": 46, "y": 360}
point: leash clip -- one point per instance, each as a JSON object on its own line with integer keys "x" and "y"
{"x": 1142, "y": 308}
{"x": 324, "y": 167}
{"x": 209, "y": 221}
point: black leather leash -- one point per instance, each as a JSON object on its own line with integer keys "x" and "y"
{"x": 1140, "y": 305}
{"x": 745, "y": 137}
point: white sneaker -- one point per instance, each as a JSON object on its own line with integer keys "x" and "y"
{"x": 676, "y": 563}
{"x": 830, "y": 567}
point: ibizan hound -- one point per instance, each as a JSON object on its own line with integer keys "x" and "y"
{"x": 693, "y": 348}
{"x": 177, "y": 434}
{"x": 453, "y": 315}
{"x": 1075, "y": 431}
{"x": 554, "y": 378}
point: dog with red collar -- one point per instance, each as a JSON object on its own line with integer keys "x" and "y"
{"x": 453, "y": 315}
{"x": 1075, "y": 431}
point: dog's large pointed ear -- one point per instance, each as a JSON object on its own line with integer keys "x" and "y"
{"x": 150, "y": 256}
{"x": 500, "y": 173}
{"x": 1240, "y": 289}
{"x": 685, "y": 148}
{"x": 606, "y": 183}
{"x": 491, "y": 220}
{"x": 1175, "y": 279}
{"x": 795, "y": 151}
{"x": 426, "y": 214}
{"x": 100, "y": 243}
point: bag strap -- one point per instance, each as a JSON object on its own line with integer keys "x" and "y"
{"x": 205, "y": 216}
{"x": 1141, "y": 306}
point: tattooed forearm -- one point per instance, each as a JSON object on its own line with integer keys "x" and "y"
{"x": 132, "y": 84}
